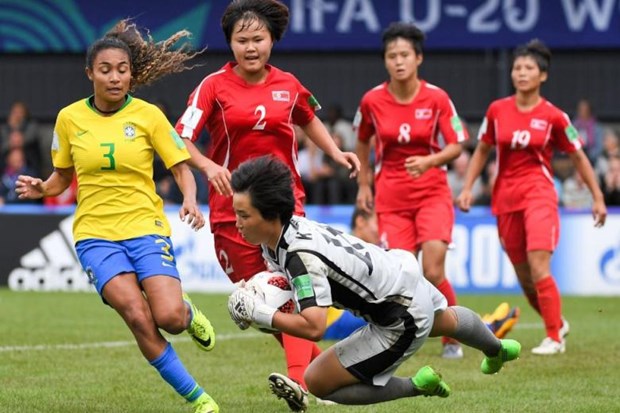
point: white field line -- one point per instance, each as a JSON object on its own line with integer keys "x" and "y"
{"x": 220, "y": 337}
{"x": 113, "y": 344}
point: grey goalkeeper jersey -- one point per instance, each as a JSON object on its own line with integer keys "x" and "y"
{"x": 328, "y": 267}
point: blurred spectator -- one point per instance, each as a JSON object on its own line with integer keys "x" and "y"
{"x": 22, "y": 131}
{"x": 611, "y": 182}
{"x": 15, "y": 165}
{"x": 589, "y": 129}
{"x": 456, "y": 176}
{"x": 611, "y": 148}
{"x": 337, "y": 125}
{"x": 575, "y": 193}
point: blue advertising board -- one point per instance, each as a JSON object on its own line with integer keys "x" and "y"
{"x": 71, "y": 25}
{"x": 586, "y": 262}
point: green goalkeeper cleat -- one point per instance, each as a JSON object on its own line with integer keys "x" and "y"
{"x": 205, "y": 404}
{"x": 429, "y": 383}
{"x": 510, "y": 350}
{"x": 200, "y": 328}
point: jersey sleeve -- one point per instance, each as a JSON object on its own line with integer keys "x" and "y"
{"x": 166, "y": 140}
{"x": 362, "y": 123}
{"x": 305, "y": 106}
{"x": 199, "y": 107}
{"x": 450, "y": 123}
{"x": 309, "y": 278}
{"x": 486, "y": 133}
{"x": 565, "y": 136}
{"x": 61, "y": 151}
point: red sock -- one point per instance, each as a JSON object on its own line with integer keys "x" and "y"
{"x": 446, "y": 289}
{"x": 298, "y": 352}
{"x": 550, "y": 305}
{"x": 532, "y": 298}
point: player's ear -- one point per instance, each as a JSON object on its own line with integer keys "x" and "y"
{"x": 89, "y": 73}
{"x": 543, "y": 77}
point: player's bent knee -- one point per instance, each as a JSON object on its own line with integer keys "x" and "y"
{"x": 173, "y": 323}
{"x": 138, "y": 320}
{"x": 316, "y": 385}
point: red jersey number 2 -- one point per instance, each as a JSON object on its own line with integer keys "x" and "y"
{"x": 261, "y": 112}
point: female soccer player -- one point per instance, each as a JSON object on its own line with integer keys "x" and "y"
{"x": 249, "y": 108}
{"x": 526, "y": 128}
{"x": 412, "y": 197}
{"x": 327, "y": 267}
{"x": 120, "y": 229}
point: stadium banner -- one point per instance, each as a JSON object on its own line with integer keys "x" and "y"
{"x": 46, "y": 26}
{"x": 37, "y": 252}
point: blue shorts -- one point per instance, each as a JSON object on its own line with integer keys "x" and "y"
{"x": 146, "y": 256}
{"x": 343, "y": 326}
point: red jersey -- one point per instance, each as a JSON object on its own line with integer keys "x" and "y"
{"x": 525, "y": 143}
{"x": 247, "y": 121}
{"x": 404, "y": 130}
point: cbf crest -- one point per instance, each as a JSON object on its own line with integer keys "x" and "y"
{"x": 129, "y": 130}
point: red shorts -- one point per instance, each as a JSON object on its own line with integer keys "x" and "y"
{"x": 537, "y": 227}
{"x": 239, "y": 259}
{"x": 430, "y": 220}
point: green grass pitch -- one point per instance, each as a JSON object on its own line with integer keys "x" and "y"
{"x": 67, "y": 352}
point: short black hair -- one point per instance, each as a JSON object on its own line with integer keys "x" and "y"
{"x": 538, "y": 51}
{"x": 269, "y": 183}
{"x": 272, "y": 13}
{"x": 406, "y": 31}
{"x": 358, "y": 212}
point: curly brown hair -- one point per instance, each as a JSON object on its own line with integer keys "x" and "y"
{"x": 150, "y": 60}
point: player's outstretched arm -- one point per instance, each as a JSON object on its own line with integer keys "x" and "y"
{"x": 217, "y": 175}
{"x": 481, "y": 154}
{"x": 583, "y": 166}
{"x": 318, "y": 134}
{"x": 28, "y": 187}
{"x": 310, "y": 324}
{"x": 187, "y": 184}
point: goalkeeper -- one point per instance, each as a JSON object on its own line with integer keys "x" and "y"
{"x": 327, "y": 267}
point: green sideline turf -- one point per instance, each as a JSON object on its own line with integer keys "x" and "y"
{"x": 67, "y": 352}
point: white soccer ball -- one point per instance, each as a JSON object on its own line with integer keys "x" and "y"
{"x": 277, "y": 292}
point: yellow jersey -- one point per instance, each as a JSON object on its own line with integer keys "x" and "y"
{"x": 113, "y": 160}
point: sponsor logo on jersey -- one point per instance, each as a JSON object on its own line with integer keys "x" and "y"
{"x": 303, "y": 286}
{"x": 314, "y": 103}
{"x": 423, "y": 114}
{"x": 456, "y": 123}
{"x": 191, "y": 117}
{"x": 538, "y": 124}
{"x": 129, "y": 129}
{"x": 281, "y": 96}
{"x": 357, "y": 120}
{"x": 572, "y": 133}
{"x": 177, "y": 139}
{"x": 55, "y": 144}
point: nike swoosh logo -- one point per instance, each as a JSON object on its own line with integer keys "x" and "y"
{"x": 80, "y": 133}
{"x": 165, "y": 264}
{"x": 205, "y": 343}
